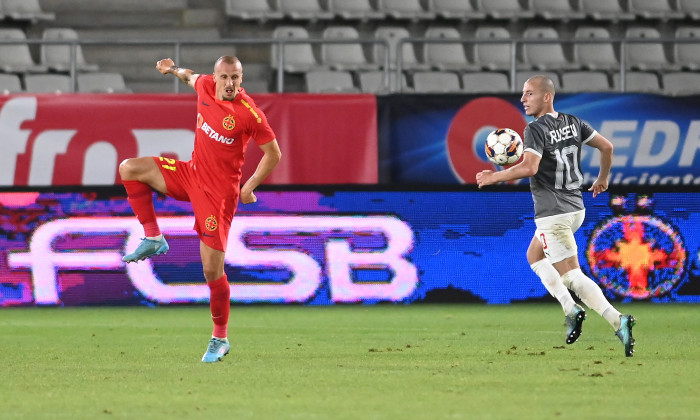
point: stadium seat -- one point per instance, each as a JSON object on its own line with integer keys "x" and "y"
{"x": 637, "y": 81}
{"x": 404, "y": 9}
{"x": 556, "y": 10}
{"x": 47, "y": 83}
{"x": 344, "y": 56}
{"x": 436, "y": 82}
{"x": 392, "y": 34}
{"x": 492, "y": 55}
{"x": 354, "y": 9}
{"x": 505, "y": 9}
{"x": 303, "y": 9}
{"x": 595, "y": 56}
{"x": 610, "y": 10}
{"x": 298, "y": 58}
{"x": 447, "y": 56}
{"x": 251, "y": 10}
{"x": 690, "y": 7}
{"x": 57, "y": 57}
{"x": 585, "y": 81}
{"x": 373, "y": 82}
{"x": 485, "y": 82}
{"x": 102, "y": 82}
{"x": 25, "y": 10}
{"x": 329, "y": 81}
{"x": 681, "y": 83}
{"x": 653, "y": 9}
{"x": 16, "y": 58}
{"x": 647, "y": 55}
{"x": 10, "y": 83}
{"x": 455, "y": 9}
{"x": 544, "y": 56}
{"x": 522, "y": 76}
{"x": 687, "y": 54}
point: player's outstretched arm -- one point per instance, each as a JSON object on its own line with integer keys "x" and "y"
{"x": 606, "y": 153}
{"x": 528, "y": 167}
{"x": 167, "y": 66}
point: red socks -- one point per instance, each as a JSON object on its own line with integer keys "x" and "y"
{"x": 220, "y": 304}
{"x": 140, "y": 197}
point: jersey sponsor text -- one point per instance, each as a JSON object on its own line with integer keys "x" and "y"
{"x": 214, "y": 135}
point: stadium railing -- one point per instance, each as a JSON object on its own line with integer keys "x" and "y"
{"x": 516, "y": 44}
{"x": 281, "y": 43}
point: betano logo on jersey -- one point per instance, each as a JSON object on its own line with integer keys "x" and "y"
{"x": 211, "y": 133}
{"x": 637, "y": 255}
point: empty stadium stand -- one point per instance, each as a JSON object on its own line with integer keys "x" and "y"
{"x": 579, "y": 42}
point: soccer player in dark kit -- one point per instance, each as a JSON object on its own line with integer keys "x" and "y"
{"x": 552, "y": 160}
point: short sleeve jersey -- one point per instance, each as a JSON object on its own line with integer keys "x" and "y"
{"x": 557, "y": 138}
{"x": 223, "y": 131}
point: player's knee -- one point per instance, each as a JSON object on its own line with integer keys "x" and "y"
{"x": 126, "y": 170}
{"x": 212, "y": 274}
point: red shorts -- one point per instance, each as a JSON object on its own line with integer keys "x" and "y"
{"x": 212, "y": 214}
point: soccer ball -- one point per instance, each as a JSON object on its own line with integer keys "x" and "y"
{"x": 503, "y": 146}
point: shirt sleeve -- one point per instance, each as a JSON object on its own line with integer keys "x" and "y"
{"x": 534, "y": 140}
{"x": 587, "y": 132}
{"x": 261, "y": 131}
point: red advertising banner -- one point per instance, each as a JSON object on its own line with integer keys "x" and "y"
{"x": 80, "y": 139}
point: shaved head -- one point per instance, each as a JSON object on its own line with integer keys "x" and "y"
{"x": 542, "y": 82}
{"x": 228, "y": 59}
{"x": 538, "y": 96}
{"x": 228, "y": 75}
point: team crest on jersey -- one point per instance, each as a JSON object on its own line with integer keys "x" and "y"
{"x": 211, "y": 223}
{"x": 229, "y": 122}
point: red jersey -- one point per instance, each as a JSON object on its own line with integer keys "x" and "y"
{"x": 223, "y": 131}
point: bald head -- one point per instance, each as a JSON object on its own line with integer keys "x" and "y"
{"x": 228, "y": 75}
{"x": 538, "y": 96}
{"x": 227, "y": 59}
{"x": 543, "y": 83}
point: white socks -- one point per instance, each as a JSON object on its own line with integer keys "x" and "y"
{"x": 585, "y": 288}
{"x": 155, "y": 238}
{"x": 589, "y": 292}
{"x": 553, "y": 283}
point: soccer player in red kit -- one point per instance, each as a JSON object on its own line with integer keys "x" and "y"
{"x": 227, "y": 118}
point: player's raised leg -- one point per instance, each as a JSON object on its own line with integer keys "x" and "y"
{"x": 219, "y": 302}
{"x": 140, "y": 176}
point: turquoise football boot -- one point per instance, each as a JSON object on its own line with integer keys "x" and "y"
{"x": 574, "y": 321}
{"x": 146, "y": 249}
{"x": 216, "y": 351}
{"x": 625, "y": 333}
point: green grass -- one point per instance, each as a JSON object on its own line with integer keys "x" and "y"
{"x": 346, "y": 362}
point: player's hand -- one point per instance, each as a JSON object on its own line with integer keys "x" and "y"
{"x": 598, "y": 187}
{"x": 484, "y": 177}
{"x": 248, "y": 197}
{"x": 164, "y": 65}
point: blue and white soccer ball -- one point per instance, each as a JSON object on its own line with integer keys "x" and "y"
{"x": 503, "y": 146}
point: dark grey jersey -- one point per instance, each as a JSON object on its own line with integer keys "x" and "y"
{"x": 557, "y": 138}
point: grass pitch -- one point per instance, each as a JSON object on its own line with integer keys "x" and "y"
{"x": 346, "y": 362}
